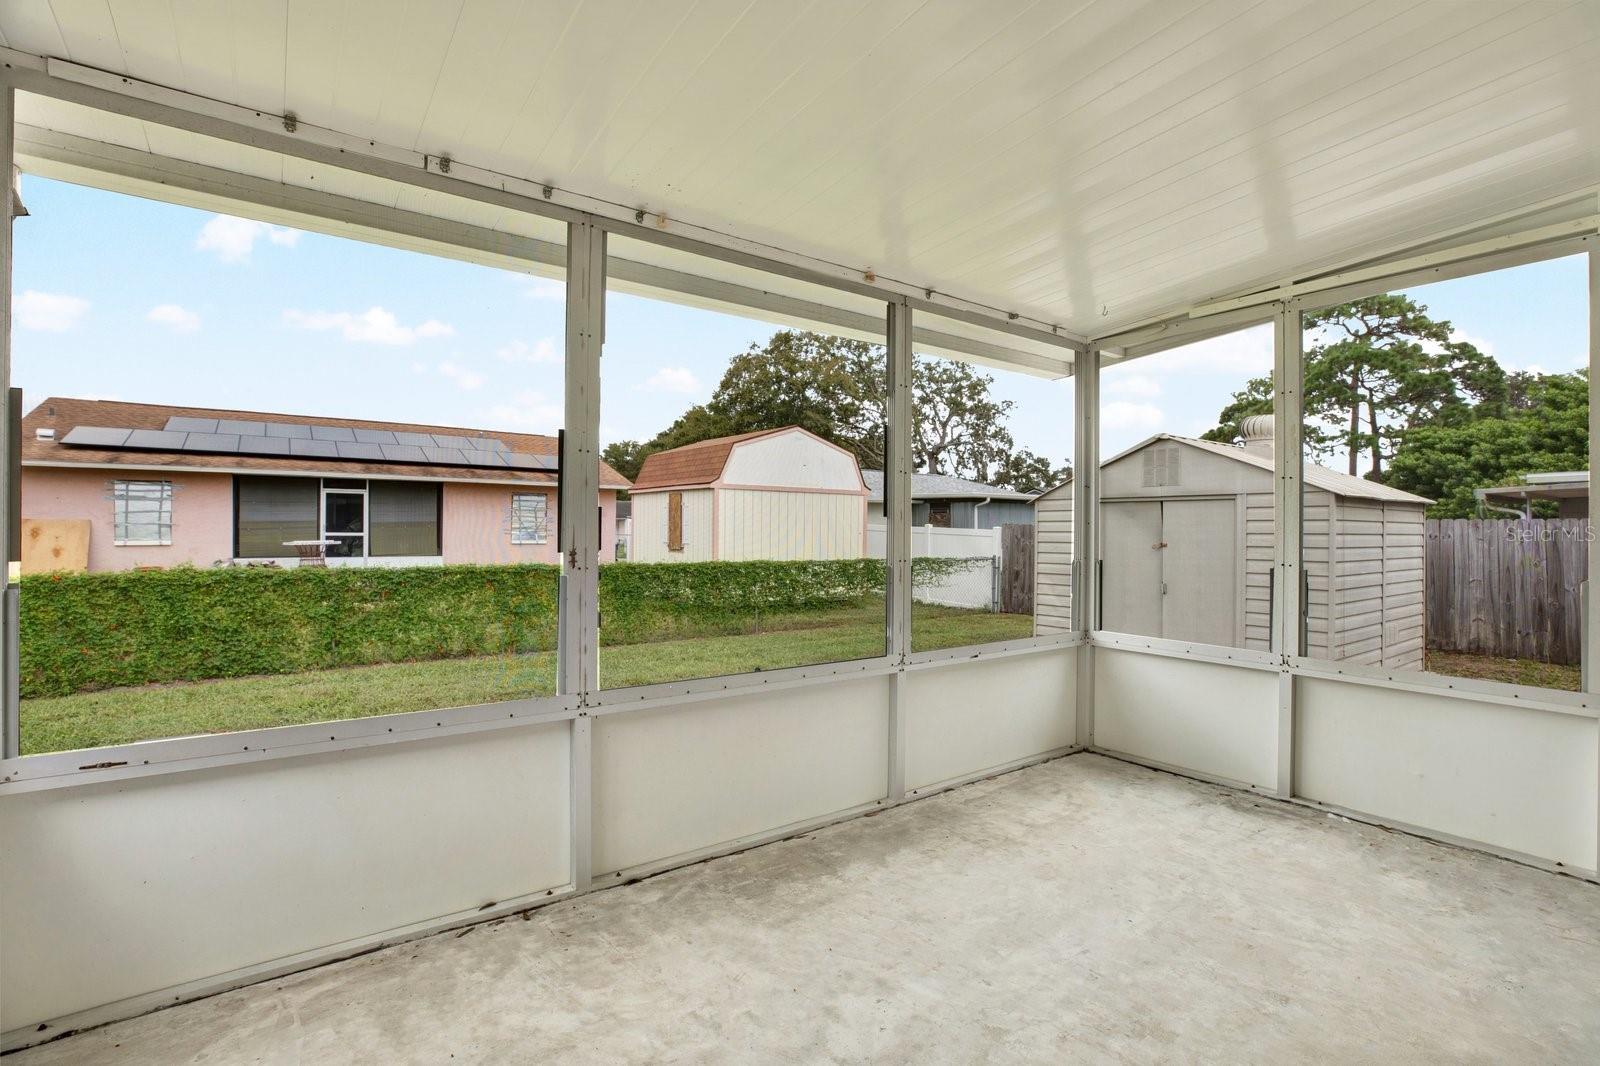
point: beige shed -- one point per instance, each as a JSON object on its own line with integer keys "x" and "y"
{"x": 1186, "y": 552}
{"x": 773, "y": 494}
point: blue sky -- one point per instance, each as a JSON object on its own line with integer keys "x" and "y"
{"x": 122, "y": 298}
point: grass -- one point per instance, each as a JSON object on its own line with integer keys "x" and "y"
{"x": 1513, "y": 671}
{"x": 124, "y": 715}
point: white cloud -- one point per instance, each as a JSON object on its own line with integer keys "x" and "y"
{"x": 49, "y": 312}
{"x": 1483, "y": 344}
{"x": 672, "y": 379}
{"x": 1247, "y": 353}
{"x": 178, "y": 319}
{"x": 464, "y": 378}
{"x": 233, "y": 239}
{"x": 528, "y": 412}
{"x": 1130, "y": 384}
{"x": 544, "y": 289}
{"x": 372, "y": 326}
{"x": 542, "y": 350}
{"x": 1123, "y": 415}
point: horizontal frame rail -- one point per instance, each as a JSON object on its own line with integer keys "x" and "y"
{"x": 133, "y": 98}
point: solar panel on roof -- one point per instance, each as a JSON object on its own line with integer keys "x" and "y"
{"x": 96, "y": 437}
{"x": 211, "y": 442}
{"x": 228, "y": 436}
{"x": 165, "y": 440}
{"x": 187, "y": 424}
{"x": 263, "y": 445}
{"x": 325, "y": 449}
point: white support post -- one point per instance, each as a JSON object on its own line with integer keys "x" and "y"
{"x": 577, "y": 654}
{"x": 1086, "y": 532}
{"x": 1591, "y": 630}
{"x": 897, "y": 518}
{"x": 1287, "y": 435}
{"x": 10, "y": 674}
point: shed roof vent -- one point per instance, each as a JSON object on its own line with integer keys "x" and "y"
{"x": 1255, "y": 432}
{"x": 45, "y": 433}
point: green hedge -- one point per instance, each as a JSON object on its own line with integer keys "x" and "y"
{"x": 88, "y": 631}
{"x": 104, "y": 630}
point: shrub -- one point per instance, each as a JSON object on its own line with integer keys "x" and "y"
{"x": 104, "y": 630}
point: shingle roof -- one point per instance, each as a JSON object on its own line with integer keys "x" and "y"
{"x": 700, "y": 463}
{"x": 65, "y": 413}
{"x": 1319, "y": 477}
{"x": 941, "y": 487}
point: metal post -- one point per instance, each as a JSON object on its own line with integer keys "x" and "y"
{"x": 897, "y": 519}
{"x": 1287, "y": 436}
{"x": 10, "y": 689}
{"x": 577, "y": 652}
{"x": 1591, "y": 631}
{"x": 1085, "y": 531}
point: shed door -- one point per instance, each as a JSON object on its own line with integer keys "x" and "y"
{"x": 1201, "y": 571}
{"x": 1130, "y": 572}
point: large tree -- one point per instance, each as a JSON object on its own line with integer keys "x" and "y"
{"x": 1542, "y": 426}
{"x": 1377, "y": 369}
{"x": 1381, "y": 366}
{"x": 835, "y": 388}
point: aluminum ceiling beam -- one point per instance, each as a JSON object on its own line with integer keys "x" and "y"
{"x": 71, "y": 157}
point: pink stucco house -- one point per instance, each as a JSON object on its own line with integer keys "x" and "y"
{"x": 169, "y": 486}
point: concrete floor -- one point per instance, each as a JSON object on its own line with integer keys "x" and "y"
{"x": 1082, "y": 910}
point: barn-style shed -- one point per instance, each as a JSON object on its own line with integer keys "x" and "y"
{"x": 1187, "y": 551}
{"x": 771, "y": 494}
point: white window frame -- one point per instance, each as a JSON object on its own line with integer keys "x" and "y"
{"x": 122, "y": 495}
{"x": 518, "y": 534}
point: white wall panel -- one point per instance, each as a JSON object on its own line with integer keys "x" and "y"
{"x": 1208, "y": 717}
{"x": 677, "y": 779}
{"x": 757, "y": 524}
{"x": 957, "y": 726}
{"x": 127, "y": 888}
{"x": 1519, "y": 779}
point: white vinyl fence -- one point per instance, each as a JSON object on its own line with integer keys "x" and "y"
{"x": 973, "y": 586}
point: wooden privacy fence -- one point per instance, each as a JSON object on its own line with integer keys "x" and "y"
{"x": 1506, "y": 587}
{"x": 1015, "y": 579}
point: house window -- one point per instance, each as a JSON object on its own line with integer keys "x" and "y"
{"x": 143, "y": 512}
{"x": 528, "y": 525}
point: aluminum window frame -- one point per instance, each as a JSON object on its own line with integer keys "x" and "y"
{"x": 1504, "y": 253}
{"x": 132, "y": 98}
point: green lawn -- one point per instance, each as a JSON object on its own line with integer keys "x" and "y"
{"x": 119, "y": 716}
{"x": 1514, "y": 671}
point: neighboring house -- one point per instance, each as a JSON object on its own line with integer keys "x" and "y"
{"x": 1568, "y": 490}
{"x": 953, "y": 503}
{"x": 1186, "y": 552}
{"x": 773, "y": 494}
{"x": 115, "y": 486}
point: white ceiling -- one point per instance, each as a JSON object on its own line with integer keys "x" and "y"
{"x": 1085, "y": 163}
